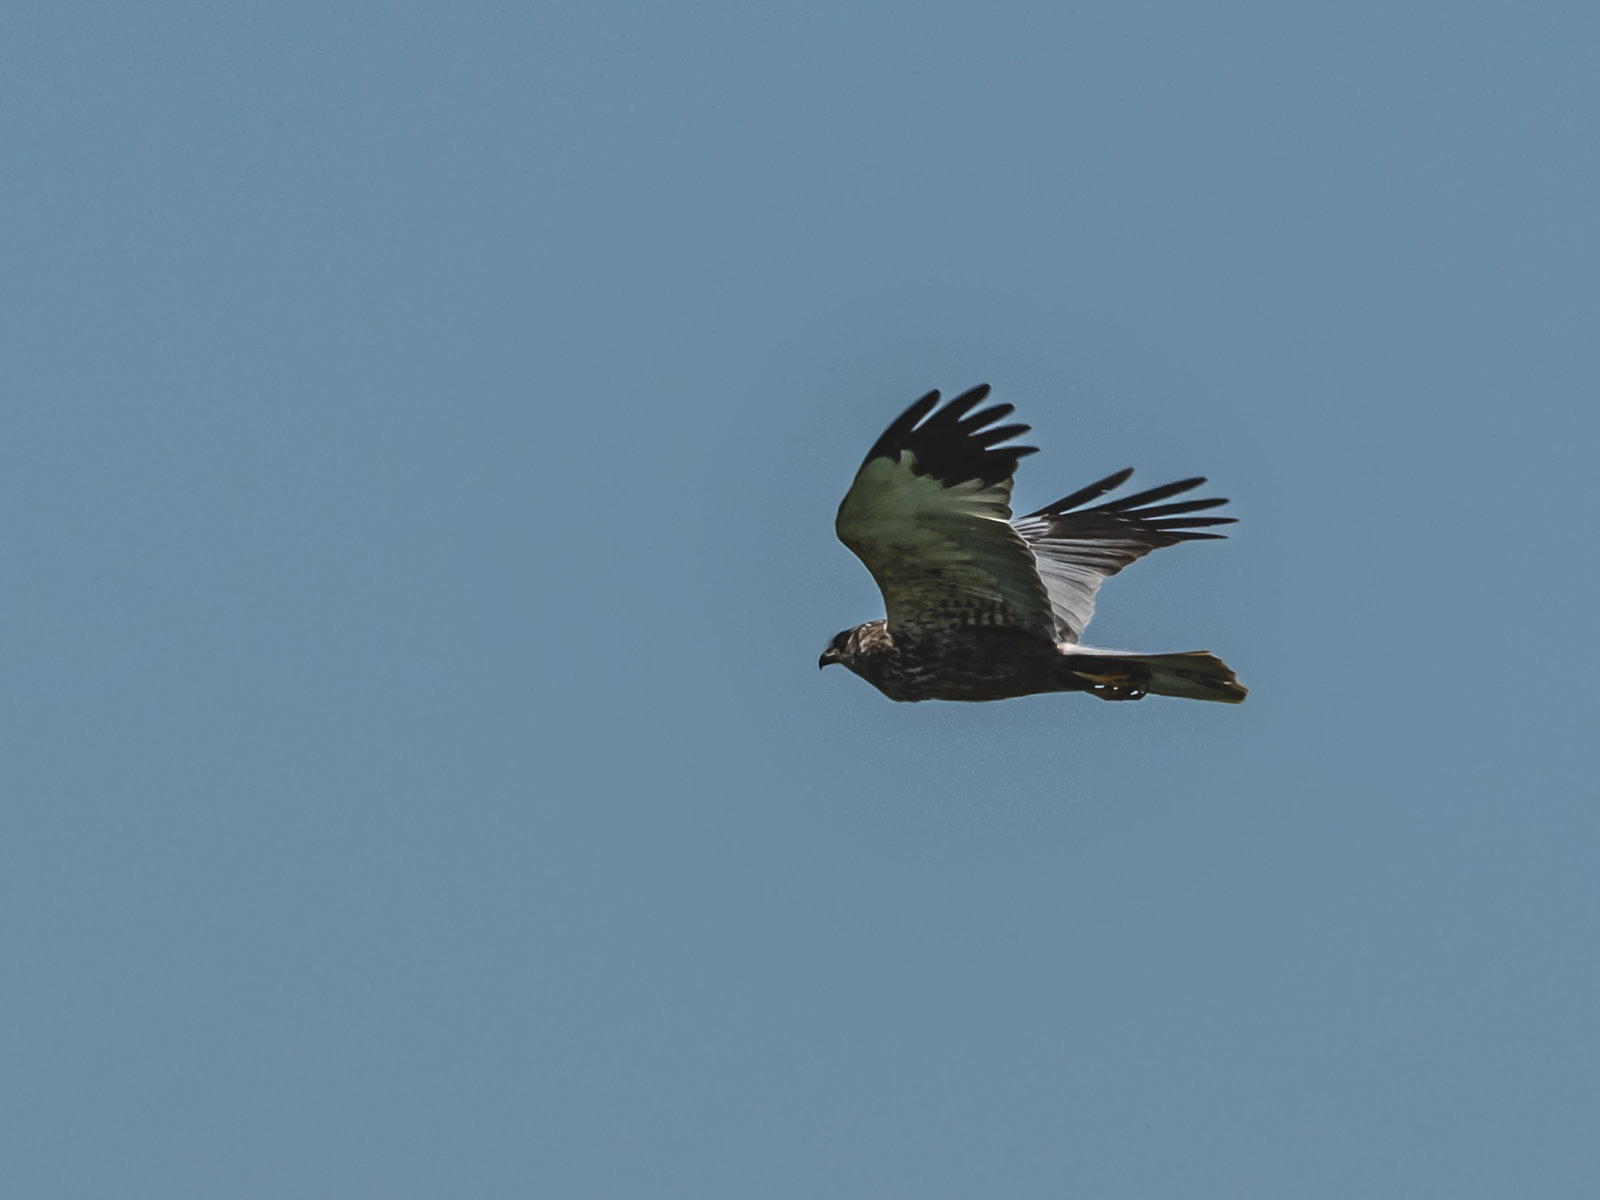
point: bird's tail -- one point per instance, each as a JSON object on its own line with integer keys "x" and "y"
{"x": 1193, "y": 675}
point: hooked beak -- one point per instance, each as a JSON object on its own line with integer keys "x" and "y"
{"x": 830, "y": 655}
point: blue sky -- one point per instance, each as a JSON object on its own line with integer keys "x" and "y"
{"x": 424, "y": 433}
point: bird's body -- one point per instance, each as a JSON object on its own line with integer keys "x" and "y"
{"x": 983, "y": 663}
{"x": 982, "y": 607}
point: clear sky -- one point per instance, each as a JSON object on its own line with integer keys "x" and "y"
{"x": 422, "y": 433}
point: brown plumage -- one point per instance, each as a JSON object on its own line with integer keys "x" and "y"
{"x": 983, "y": 607}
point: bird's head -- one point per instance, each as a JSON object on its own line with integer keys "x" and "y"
{"x": 839, "y": 650}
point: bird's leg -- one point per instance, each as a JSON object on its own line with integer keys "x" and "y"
{"x": 1111, "y": 691}
{"x": 1113, "y": 680}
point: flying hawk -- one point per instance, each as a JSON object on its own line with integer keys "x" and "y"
{"x": 983, "y": 607}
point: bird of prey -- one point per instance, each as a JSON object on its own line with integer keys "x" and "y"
{"x": 984, "y": 607}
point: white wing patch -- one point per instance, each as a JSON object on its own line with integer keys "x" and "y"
{"x": 1073, "y": 571}
{"x": 942, "y": 556}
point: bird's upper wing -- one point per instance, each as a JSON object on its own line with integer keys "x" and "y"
{"x": 1077, "y": 551}
{"x": 929, "y": 513}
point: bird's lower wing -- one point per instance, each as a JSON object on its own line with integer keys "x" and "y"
{"x": 1077, "y": 551}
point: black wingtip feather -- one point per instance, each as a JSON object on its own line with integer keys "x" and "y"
{"x": 987, "y": 416}
{"x": 950, "y": 445}
{"x": 1085, "y": 494}
{"x": 1140, "y": 499}
{"x": 973, "y": 395}
{"x": 993, "y": 437}
{"x": 1183, "y": 506}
